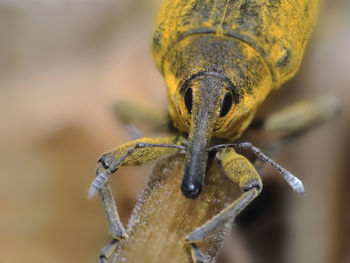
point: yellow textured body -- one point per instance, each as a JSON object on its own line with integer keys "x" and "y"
{"x": 256, "y": 44}
{"x": 220, "y": 59}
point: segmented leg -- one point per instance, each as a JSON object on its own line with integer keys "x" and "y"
{"x": 296, "y": 119}
{"x": 196, "y": 254}
{"x": 107, "y": 251}
{"x": 133, "y": 132}
{"x": 136, "y": 152}
{"x": 133, "y": 153}
{"x": 241, "y": 171}
{"x": 152, "y": 118}
{"x": 292, "y": 180}
{"x": 302, "y": 115}
{"x": 116, "y": 228}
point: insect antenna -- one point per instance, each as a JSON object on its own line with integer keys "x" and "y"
{"x": 294, "y": 182}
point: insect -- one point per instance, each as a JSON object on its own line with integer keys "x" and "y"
{"x": 220, "y": 59}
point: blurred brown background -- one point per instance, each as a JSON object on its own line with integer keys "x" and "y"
{"x": 62, "y": 66}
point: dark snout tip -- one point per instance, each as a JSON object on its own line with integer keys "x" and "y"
{"x": 191, "y": 190}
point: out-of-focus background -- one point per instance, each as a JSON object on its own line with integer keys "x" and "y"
{"x": 62, "y": 66}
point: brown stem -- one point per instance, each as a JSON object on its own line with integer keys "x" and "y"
{"x": 163, "y": 217}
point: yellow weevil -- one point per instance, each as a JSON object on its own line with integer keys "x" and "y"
{"x": 220, "y": 59}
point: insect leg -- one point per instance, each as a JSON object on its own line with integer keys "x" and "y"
{"x": 107, "y": 251}
{"x": 136, "y": 152}
{"x": 283, "y": 127}
{"x": 116, "y": 228}
{"x": 241, "y": 171}
{"x": 132, "y": 153}
{"x": 295, "y": 183}
{"x": 302, "y": 116}
{"x": 152, "y": 118}
{"x": 295, "y": 120}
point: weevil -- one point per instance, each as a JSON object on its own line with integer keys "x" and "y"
{"x": 220, "y": 59}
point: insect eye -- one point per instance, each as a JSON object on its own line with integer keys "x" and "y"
{"x": 226, "y": 104}
{"x": 189, "y": 100}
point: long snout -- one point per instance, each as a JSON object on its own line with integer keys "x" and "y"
{"x": 197, "y": 155}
